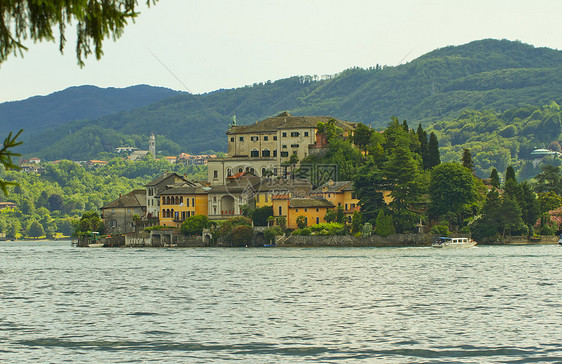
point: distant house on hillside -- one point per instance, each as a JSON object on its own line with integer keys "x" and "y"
{"x": 125, "y": 149}
{"x": 538, "y": 155}
{"x": 7, "y": 205}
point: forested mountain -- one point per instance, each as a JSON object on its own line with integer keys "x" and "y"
{"x": 438, "y": 86}
{"x": 76, "y": 103}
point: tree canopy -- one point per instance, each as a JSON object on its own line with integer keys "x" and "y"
{"x": 95, "y": 21}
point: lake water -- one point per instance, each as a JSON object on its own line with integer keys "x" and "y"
{"x": 485, "y": 304}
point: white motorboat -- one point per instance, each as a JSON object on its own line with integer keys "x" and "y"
{"x": 445, "y": 242}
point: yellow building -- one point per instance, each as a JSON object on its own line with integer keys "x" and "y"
{"x": 267, "y": 188}
{"x": 340, "y": 194}
{"x": 179, "y": 203}
{"x": 313, "y": 209}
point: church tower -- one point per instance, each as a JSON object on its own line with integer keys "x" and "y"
{"x": 152, "y": 145}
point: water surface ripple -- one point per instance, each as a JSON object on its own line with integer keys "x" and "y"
{"x": 401, "y": 305}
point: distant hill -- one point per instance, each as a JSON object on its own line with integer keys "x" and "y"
{"x": 482, "y": 75}
{"x": 76, "y": 103}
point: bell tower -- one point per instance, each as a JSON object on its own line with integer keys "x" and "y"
{"x": 152, "y": 145}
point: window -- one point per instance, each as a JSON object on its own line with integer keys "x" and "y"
{"x": 228, "y": 172}
{"x": 317, "y": 210}
{"x": 306, "y": 133}
{"x": 254, "y": 153}
{"x": 317, "y": 220}
{"x": 254, "y": 138}
{"x": 345, "y": 207}
{"x": 262, "y": 171}
{"x": 284, "y": 146}
{"x": 265, "y": 138}
{"x": 275, "y": 137}
{"x": 275, "y": 153}
{"x": 294, "y": 145}
{"x": 295, "y": 133}
{"x": 284, "y": 135}
{"x": 241, "y": 139}
{"x": 265, "y": 153}
{"x": 215, "y": 174}
{"x": 193, "y": 201}
{"x": 232, "y": 139}
{"x": 280, "y": 210}
{"x": 240, "y": 170}
{"x": 284, "y": 154}
{"x": 297, "y": 210}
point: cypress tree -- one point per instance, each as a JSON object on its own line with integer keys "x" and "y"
{"x": 422, "y": 137}
{"x": 405, "y": 126}
{"x": 510, "y": 174}
{"x": 433, "y": 151}
{"x": 467, "y": 160}
{"x": 383, "y": 225}
{"x": 495, "y": 178}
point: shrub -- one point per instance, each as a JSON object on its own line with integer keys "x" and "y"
{"x": 303, "y": 232}
{"x": 327, "y": 228}
{"x": 441, "y": 230}
{"x": 155, "y": 227}
{"x": 242, "y": 235}
{"x": 383, "y": 225}
{"x": 194, "y": 225}
{"x": 270, "y": 233}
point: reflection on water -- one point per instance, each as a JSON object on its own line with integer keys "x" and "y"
{"x": 486, "y": 304}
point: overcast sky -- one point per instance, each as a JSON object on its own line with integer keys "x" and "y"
{"x": 202, "y": 46}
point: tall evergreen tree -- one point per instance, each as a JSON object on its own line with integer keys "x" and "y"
{"x": 433, "y": 158}
{"x": 369, "y": 183}
{"x": 402, "y": 171}
{"x": 452, "y": 188}
{"x": 383, "y": 225}
{"x": 510, "y": 174}
{"x": 529, "y": 204}
{"x": 405, "y": 126}
{"x": 467, "y": 160}
{"x": 422, "y": 137}
{"x": 362, "y": 136}
{"x": 494, "y": 176}
{"x": 510, "y": 186}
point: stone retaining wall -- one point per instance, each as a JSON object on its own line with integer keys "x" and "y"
{"x": 397, "y": 240}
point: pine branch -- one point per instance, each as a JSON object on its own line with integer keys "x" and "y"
{"x": 6, "y": 158}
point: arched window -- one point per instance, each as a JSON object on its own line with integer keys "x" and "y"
{"x": 181, "y": 199}
{"x": 228, "y": 172}
{"x": 177, "y": 200}
{"x": 263, "y": 171}
{"x": 254, "y": 153}
{"x": 265, "y": 153}
{"x": 163, "y": 212}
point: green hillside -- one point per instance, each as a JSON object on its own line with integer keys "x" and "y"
{"x": 483, "y": 75}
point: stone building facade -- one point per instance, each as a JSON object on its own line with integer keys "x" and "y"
{"x": 118, "y": 215}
